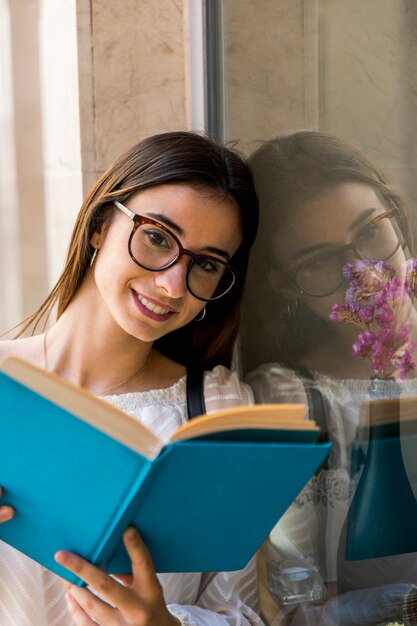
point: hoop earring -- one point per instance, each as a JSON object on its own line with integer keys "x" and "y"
{"x": 201, "y": 315}
{"x": 93, "y": 258}
{"x": 292, "y": 307}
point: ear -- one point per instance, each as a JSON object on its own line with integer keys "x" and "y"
{"x": 282, "y": 285}
{"x": 95, "y": 240}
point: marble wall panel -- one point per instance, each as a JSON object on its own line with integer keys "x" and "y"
{"x": 134, "y": 74}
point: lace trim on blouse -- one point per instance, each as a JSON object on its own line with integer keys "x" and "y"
{"x": 326, "y": 488}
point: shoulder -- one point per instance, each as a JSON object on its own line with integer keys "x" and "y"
{"x": 28, "y": 348}
{"x": 272, "y": 382}
{"x": 166, "y": 371}
{"x": 223, "y": 389}
{"x": 7, "y": 349}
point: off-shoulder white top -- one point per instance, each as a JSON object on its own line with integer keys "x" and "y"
{"x": 30, "y": 595}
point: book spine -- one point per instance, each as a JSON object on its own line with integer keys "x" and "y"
{"x": 113, "y": 535}
{"x": 117, "y": 561}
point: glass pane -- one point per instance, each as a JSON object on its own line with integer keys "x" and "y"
{"x": 322, "y": 95}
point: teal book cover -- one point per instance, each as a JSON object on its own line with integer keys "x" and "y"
{"x": 79, "y": 471}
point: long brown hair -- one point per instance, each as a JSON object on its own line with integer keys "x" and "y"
{"x": 288, "y": 171}
{"x": 174, "y": 157}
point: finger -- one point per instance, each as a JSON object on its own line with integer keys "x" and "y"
{"x": 90, "y": 607}
{"x": 64, "y": 582}
{"x": 105, "y": 585}
{"x": 125, "y": 579}
{"x": 79, "y": 616}
{"x": 6, "y": 513}
{"x": 142, "y": 563}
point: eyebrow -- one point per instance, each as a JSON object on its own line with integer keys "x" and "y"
{"x": 168, "y": 222}
{"x": 322, "y": 246}
{"x": 361, "y": 218}
{"x": 165, "y": 220}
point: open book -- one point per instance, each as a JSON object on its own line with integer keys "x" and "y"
{"x": 79, "y": 471}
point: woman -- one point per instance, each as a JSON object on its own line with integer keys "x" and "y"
{"x": 323, "y": 204}
{"x": 152, "y": 285}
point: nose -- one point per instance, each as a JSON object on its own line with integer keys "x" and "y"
{"x": 173, "y": 279}
{"x": 351, "y": 254}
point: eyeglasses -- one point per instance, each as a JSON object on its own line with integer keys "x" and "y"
{"x": 378, "y": 240}
{"x": 154, "y": 247}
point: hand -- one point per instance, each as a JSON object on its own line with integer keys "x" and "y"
{"x": 138, "y": 603}
{"x": 6, "y": 511}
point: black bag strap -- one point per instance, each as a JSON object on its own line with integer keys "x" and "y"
{"x": 195, "y": 392}
{"x": 315, "y": 402}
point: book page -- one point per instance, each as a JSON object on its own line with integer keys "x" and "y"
{"x": 260, "y": 416}
{"x": 86, "y": 406}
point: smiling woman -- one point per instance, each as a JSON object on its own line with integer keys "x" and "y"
{"x": 152, "y": 286}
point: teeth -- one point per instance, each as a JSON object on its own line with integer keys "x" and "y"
{"x": 153, "y": 307}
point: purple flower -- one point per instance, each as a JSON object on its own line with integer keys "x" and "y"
{"x": 373, "y": 298}
{"x": 363, "y": 344}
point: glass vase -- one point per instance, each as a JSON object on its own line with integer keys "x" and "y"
{"x": 382, "y": 518}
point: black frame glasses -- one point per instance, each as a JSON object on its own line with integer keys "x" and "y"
{"x": 196, "y": 259}
{"x": 393, "y": 215}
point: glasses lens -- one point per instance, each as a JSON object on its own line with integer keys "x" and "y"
{"x": 209, "y": 278}
{"x": 321, "y": 275}
{"x": 152, "y": 247}
{"x": 379, "y": 240}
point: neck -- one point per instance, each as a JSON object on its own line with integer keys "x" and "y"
{"x": 92, "y": 351}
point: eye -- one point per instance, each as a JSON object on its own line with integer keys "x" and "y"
{"x": 208, "y": 265}
{"x": 157, "y": 238}
{"x": 370, "y": 232}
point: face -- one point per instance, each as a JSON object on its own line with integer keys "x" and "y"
{"x": 148, "y": 304}
{"x": 309, "y": 248}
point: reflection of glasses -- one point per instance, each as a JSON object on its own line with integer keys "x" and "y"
{"x": 154, "y": 247}
{"x": 322, "y": 275}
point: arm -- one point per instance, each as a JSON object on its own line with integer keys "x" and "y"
{"x": 223, "y": 599}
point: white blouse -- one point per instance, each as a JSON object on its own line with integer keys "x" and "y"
{"x": 30, "y": 595}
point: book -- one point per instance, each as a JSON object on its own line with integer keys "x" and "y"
{"x": 385, "y": 481}
{"x": 79, "y": 471}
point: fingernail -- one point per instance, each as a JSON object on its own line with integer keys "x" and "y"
{"x": 132, "y": 533}
{"x": 61, "y": 556}
{"x": 69, "y": 598}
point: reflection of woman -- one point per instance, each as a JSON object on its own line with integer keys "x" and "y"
{"x": 322, "y": 204}
{"x": 149, "y": 287}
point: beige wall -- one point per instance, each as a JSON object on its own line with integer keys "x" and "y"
{"x": 344, "y": 67}
{"x": 23, "y": 257}
{"x": 132, "y": 67}
{"x": 83, "y": 80}
{"x": 271, "y": 67}
{"x": 368, "y": 81}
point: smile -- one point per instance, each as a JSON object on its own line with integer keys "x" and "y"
{"x": 151, "y": 309}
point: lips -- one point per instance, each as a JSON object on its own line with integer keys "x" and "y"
{"x": 150, "y": 308}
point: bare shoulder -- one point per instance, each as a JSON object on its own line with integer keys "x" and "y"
{"x": 167, "y": 370}
{"x": 28, "y": 348}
